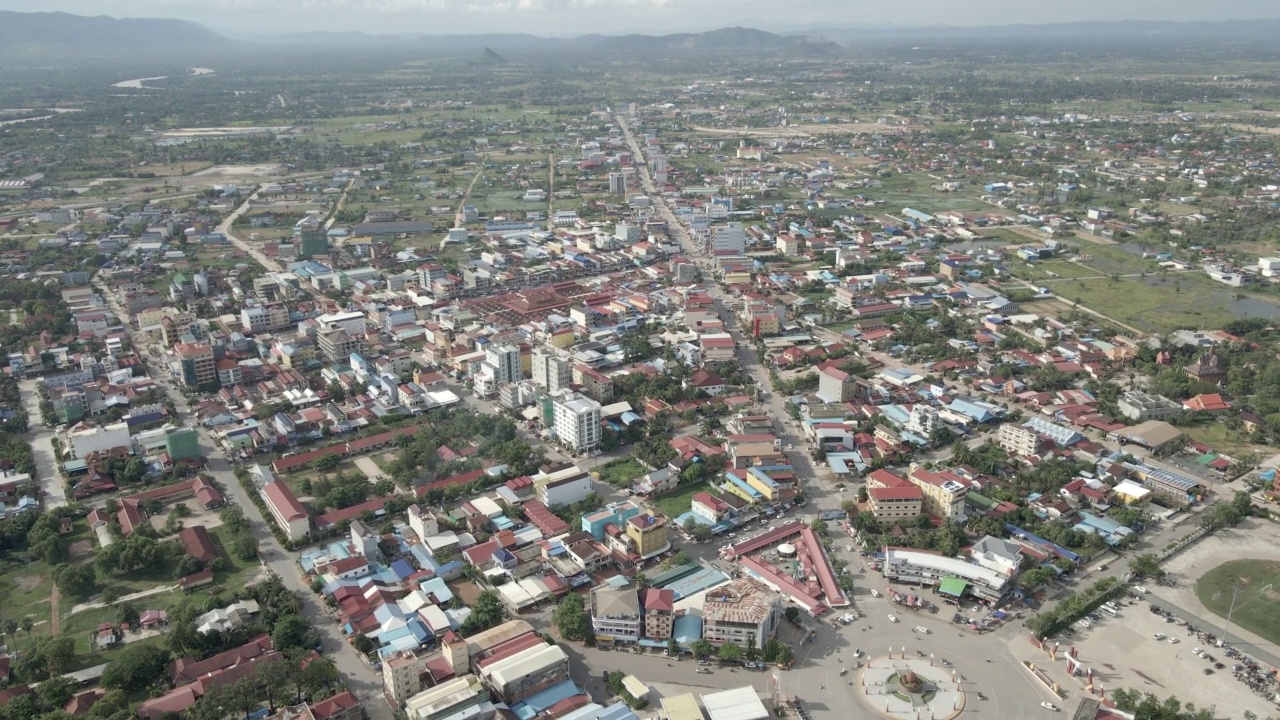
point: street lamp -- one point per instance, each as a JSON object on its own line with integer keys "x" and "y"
{"x": 1235, "y": 593}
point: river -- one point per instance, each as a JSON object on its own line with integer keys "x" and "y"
{"x": 139, "y": 83}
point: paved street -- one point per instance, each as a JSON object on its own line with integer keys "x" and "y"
{"x": 360, "y": 677}
{"x": 52, "y": 486}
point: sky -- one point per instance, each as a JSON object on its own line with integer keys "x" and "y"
{"x": 256, "y": 18}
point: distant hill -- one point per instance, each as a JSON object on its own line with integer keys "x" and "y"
{"x": 77, "y": 35}
{"x": 726, "y": 39}
{"x": 489, "y": 57}
{"x": 1108, "y": 31}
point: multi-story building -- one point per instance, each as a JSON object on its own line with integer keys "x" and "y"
{"x": 264, "y": 318}
{"x": 612, "y": 514}
{"x": 615, "y": 613}
{"x": 196, "y": 364}
{"x": 659, "y": 612}
{"x": 288, "y": 513}
{"x": 739, "y": 610}
{"x": 836, "y": 385}
{"x": 312, "y": 240}
{"x": 1137, "y": 405}
{"x": 1017, "y": 440}
{"x": 892, "y": 504}
{"x": 336, "y": 344}
{"x": 577, "y": 421}
{"x": 944, "y": 493}
{"x": 952, "y": 576}
{"x": 452, "y": 697}
{"x": 595, "y": 384}
{"x": 728, "y": 239}
{"x": 617, "y": 183}
{"x": 505, "y": 361}
{"x": 551, "y": 370}
{"x": 648, "y": 533}
{"x": 562, "y": 487}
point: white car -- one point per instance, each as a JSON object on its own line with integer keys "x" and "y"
{"x": 1159, "y": 636}
{"x": 1173, "y": 641}
{"x": 857, "y": 652}
{"x": 875, "y": 593}
{"x": 1049, "y": 706}
{"x": 1196, "y": 651}
{"x": 893, "y": 618}
{"x": 922, "y": 630}
{"x": 1139, "y": 589}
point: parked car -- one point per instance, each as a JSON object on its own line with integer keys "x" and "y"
{"x": 922, "y": 630}
{"x": 1049, "y": 706}
{"x": 893, "y": 618}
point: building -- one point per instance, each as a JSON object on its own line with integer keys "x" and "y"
{"x": 197, "y": 365}
{"x": 551, "y": 370}
{"x": 563, "y": 487}
{"x": 659, "y": 612}
{"x": 615, "y": 514}
{"x": 505, "y": 361}
{"x": 728, "y": 239}
{"x": 576, "y": 421}
{"x": 617, "y": 183}
{"x": 451, "y": 697}
{"x": 1208, "y": 368}
{"x": 952, "y": 576}
{"x": 1019, "y": 441}
{"x": 313, "y": 240}
{"x": 1137, "y": 405}
{"x": 337, "y": 344}
{"x": 518, "y": 676}
{"x": 615, "y": 613}
{"x": 836, "y": 385}
{"x": 943, "y": 492}
{"x": 648, "y": 533}
{"x": 1152, "y": 434}
{"x": 739, "y": 610}
{"x": 894, "y": 504}
{"x": 288, "y": 513}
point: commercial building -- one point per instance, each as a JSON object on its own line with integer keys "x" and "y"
{"x": 615, "y": 613}
{"x": 551, "y": 370}
{"x": 617, "y": 183}
{"x": 728, "y": 239}
{"x": 505, "y": 361}
{"x": 894, "y": 504}
{"x": 313, "y": 240}
{"x": 562, "y": 487}
{"x": 943, "y": 493}
{"x": 952, "y": 576}
{"x": 836, "y": 385}
{"x": 739, "y": 610}
{"x": 337, "y": 344}
{"x": 446, "y": 699}
{"x": 1018, "y": 441}
{"x": 615, "y": 514}
{"x": 648, "y": 533}
{"x": 659, "y": 612}
{"x": 196, "y": 363}
{"x": 517, "y": 676}
{"x": 577, "y": 421}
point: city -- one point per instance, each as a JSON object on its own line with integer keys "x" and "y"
{"x": 747, "y": 375}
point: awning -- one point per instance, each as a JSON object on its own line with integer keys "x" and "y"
{"x": 953, "y": 587}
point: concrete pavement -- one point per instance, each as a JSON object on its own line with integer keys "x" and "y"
{"x": 52, "y": 487}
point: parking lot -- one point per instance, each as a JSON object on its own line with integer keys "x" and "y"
{"x": 1124, "y": 653}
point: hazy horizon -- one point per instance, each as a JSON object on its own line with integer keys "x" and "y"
{"x": 256, "y": 18}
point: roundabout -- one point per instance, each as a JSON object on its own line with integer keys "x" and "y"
{"x": 916, "y": 688}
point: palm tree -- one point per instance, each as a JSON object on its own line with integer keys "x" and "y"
{"x": 27, "y": 625}
{"x": 11, "y": 628}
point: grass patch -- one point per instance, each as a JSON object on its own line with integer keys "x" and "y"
{"x": 26, "y": 587}
{"x": 1256, "y": 609}
{"x": 1155, "y": 303}
{"x": 1224, "y": 440}
{"x": 674, "y": 504}
{"x": 622, "y": 472}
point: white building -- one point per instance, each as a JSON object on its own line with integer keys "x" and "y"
{"x": 86, "y": 438}
{"x": 563, "y": 487}
{"x": 352, "y": 322}
{"x": 615, "y": 613}
{"x": 923, "y": 420}
{"x": 577, "y": 421}
{"x": 729, "y": 238}
{"x": 926, "y": 568}
{"x": 551, "y": 370}
{"x": 617, "y": 183}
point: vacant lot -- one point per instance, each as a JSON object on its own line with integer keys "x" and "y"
{"x": 675, "y": 504}
{"x": 622, "y": 472}
{"x": 1258, "y": 583}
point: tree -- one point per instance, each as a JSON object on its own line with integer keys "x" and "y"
{"x": 792, "y": 614}
{"x": 11, "y": 628}
{"x": 702, "y": 649}
{"x": 28, "y": 624}
{"x": 752, "y": 650}
{"x": 673, "y": 647}
{"x": 135, "y": 667}
{"x": 233, "y": 520}
{"x": 486, "y": 612}
{"x": 245, "y": 547}
{"x": 1147, "y": 565}
{"x": 729, "y": 652}
{"x": 55, "y": 692}
{"x": 680, "y": 558}
{"x": 570, "y": 617}
{"x": 77, "y": 581}
{"x": 127, "y": 614}
{"x": 337, "y": 392}
{"x": 187, "y": 565}
{"x": 641, "y": 580}
{"x": 326, "y": 463}
{"x": 293, "y": 631}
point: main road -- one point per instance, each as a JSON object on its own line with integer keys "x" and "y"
{"x": 360, "y": 677}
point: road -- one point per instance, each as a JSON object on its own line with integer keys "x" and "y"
{"x": 52, "y": 487}
{"x": 358, "y": 674}
{"x": 466, "y": 196}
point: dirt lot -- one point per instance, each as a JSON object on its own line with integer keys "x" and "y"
{"x": 1123, "y": 653}
{"x": 198, "y": 516}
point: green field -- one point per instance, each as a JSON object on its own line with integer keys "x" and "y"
{"x": 675, "y": 504}
{"x": 1257, "y": 608}
{"x": 1155, "y": 303}
{"x": 621, "y": 472}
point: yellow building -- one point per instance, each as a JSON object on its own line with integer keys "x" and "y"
{"x": 648, "y": 533}
{"x": 943, "y": 492}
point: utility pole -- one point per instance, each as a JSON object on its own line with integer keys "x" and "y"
{"x": 1235, "y": 594}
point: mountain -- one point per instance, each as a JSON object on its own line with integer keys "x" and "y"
{"x": 489, "y": 57}
{"x": 725, "y": 39}
{"x": 1088, "y": 32}
{"x": 25, "y": 34}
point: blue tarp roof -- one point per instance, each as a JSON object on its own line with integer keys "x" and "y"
{"x": 402, "y": 568}
{"x": 539, "y": 703}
